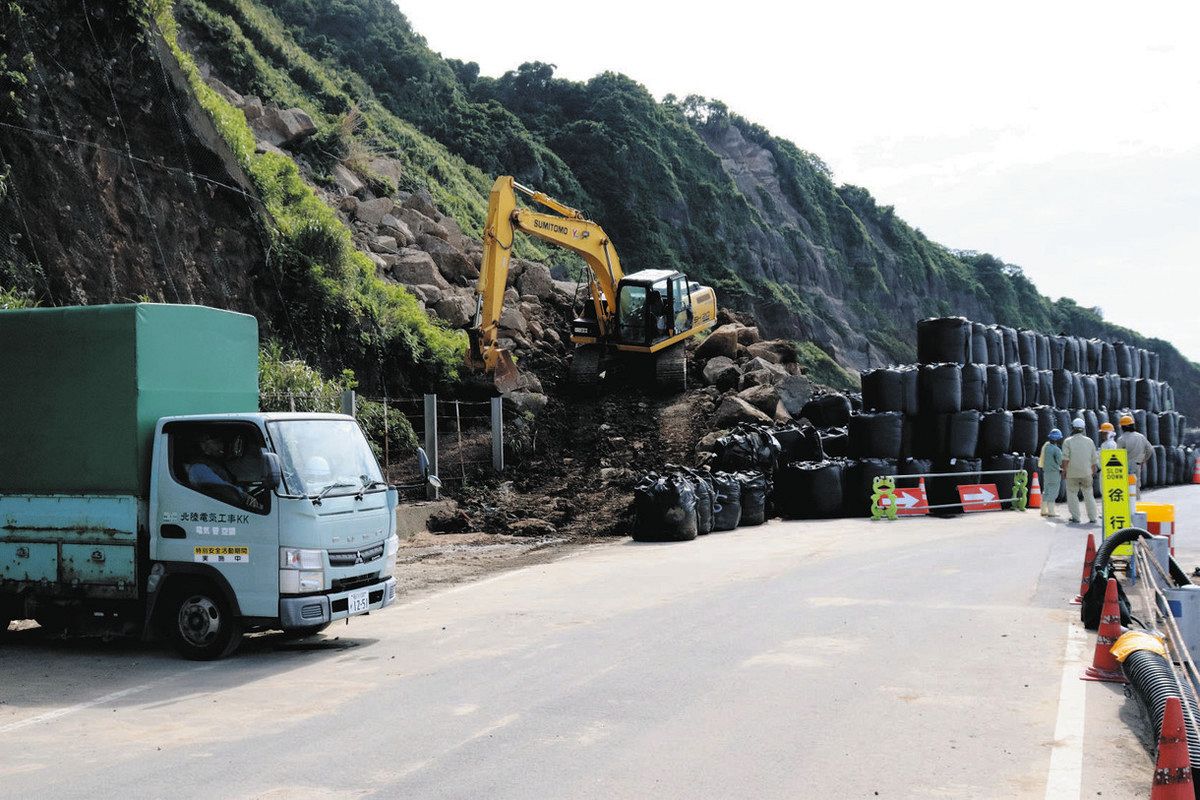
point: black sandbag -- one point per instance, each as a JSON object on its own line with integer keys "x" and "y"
{"x": 665, "y": 508}
{"x": 941, "y": 388}
{"x": 876, "y": 435}
{"x": 1064, "y": 389}
{"x": 706, "y": 498}
{"x": 1091, "y": 426}
{"x": 1108, "y": 358}
{"x": 1063, "y": 421}
{"x": 974, "y": 386}
{"x": 727, "y": 506}
{"x": 907, "y": 430}
{"x": 882, "y": 389}
{"x": 925, "y": 435}
{"x": 798, "y": 443}
{"x": 856, "y": 401}
{"x": 1160, "y": 465}
{"x": 1077, "y": 390}
{"x": 1027, "y": 348}
{"x": 809, "y": 491}
{"x": 1114, "y": 390}
{"x": 995, "y": 346}
{"x": 827, "y": 410}
{"x": 1124, "y": 357}
{"x": 1095, "y": 356}
{"x": 1139, "y": 420}
{"x": 1144, "y": 361}
{"x": 997, "y": 388}
{"x": 979, "y": 343}
{"x": 1045, "y": 394}
{"x": 1016, "y": 388}
{"x": 944, "y": 491}
{"x": 858, "y": 484}
{"x": 944, "y": 339}
{"x": 1043, "y": 351}
{"x": 1151, "y": 432}
{"x": 746, "y": 447}
{"x": 1144, "y": 395}
{"x": 1031, "y": 385}
{"x": 961, "y": 433}
{"x": 909, "y": 377}
{"x": 1024, "y": 432}
{"x": 1102, "y": 384}
{"x": 1167, "y": 429}
{"x": 755, "y": 487}
{"x": 1004, "y": 483}
{"x": 1011, "y": 349}
{"x": 835, "y": 442}
{"x": 1046, "y": 422}
{"x": 1058, "y": 346}
{"x": 1128, "y": 392}
{"x": 914, "y": 466}
{"x": 1090, "y": 392}
{"x": 1154, "y": 365}
{"x": 1070, "y": 353}
{"x": 995, "y": 434}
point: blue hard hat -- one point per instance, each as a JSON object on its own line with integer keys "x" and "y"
{"x": 1055, "y": 435}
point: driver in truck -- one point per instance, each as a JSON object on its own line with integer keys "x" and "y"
{"x": 206, "y": 471}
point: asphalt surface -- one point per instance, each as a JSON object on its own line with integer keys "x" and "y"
{"x": 844, "y": 659}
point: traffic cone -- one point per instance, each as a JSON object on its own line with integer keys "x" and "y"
{"x": 1196, "y": 473}
{"x": 1104, "y": 664}
{"x": 1173, "y": 769}
{"x": 925, "y": 495}
{"x": 1089, "y": 558}
{"x": 1035, "y": 493}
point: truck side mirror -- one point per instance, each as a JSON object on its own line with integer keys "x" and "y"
{"x": 272, "y": 473}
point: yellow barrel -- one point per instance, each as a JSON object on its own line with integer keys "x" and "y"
{"x": 1157, "y": 512}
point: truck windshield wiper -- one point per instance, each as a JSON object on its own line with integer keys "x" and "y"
{"x": 367, "y": 486}
{"x": 337, "y": 485}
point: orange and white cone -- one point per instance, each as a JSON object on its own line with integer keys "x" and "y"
{"x": 1173, "y": 769}
{"x": 1089, "y": 558}
{"x": 1104, "y": 664}
{"x": 924, "y": 494}
{"x": 1035, "y": 493}
{"x": 1196, "y": 473}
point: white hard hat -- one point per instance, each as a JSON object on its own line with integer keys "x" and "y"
{"x": 1077, "y": 424}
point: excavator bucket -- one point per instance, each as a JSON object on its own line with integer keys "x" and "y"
{"x": 505, "y": 375}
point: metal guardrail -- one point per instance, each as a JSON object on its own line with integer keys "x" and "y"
{"x": 884, "y": 486}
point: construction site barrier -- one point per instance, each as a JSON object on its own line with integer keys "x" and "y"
{"x": 884, "y": 486}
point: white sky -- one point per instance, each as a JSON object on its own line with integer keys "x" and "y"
{"x": 1060, "y": 136}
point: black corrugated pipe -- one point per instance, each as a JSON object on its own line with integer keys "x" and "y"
{"x": 1151, "y": 677}
{"x": 1102, "y": 570}
{"x": 1124, "y": 536}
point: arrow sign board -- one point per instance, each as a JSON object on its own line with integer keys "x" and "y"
{"x": 909, "y": 502}
{"x": 979, "y": 497}
{"x": 1114, "y": 494}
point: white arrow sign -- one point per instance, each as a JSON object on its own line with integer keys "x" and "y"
{"x": 984, "y": 496}
{"x": 902, "y": 500}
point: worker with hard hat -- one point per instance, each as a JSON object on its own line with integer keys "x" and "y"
{"x": 1080, "y": 460}
{"x": 1108, "y": 436}
{"x": 1137, "y": 449}
{"x": 1050, "y": 460}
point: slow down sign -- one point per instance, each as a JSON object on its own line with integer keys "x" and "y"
{"x": 979, "y": 497}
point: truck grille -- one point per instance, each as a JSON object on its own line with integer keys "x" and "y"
{"x": 348, "y": 558}
{"x": 346, "y": 584}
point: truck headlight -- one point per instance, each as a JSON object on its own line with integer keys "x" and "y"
{"x": 389, "y": 556}
{"x": 298, "y": 581}
{"x": 299, "y": 558}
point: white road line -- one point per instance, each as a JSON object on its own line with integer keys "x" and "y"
{"x": 1065, "y": 780}
{"x": 59, "y": 713}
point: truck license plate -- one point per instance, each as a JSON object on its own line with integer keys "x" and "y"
{"x": 358, "y": 602}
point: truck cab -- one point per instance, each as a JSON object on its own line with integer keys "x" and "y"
{"x": 142, "y": 492}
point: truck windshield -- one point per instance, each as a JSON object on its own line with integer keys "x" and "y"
{"x": 317, "y": 454}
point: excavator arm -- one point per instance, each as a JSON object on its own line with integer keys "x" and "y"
{"x": 567, "y": 228}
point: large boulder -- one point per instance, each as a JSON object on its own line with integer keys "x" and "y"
{"x": 456, "y": 311}
{"x": 734, "y": 409}
{"x": 347, "y": 181}
{"x": 383, "y": 244}
{"x": 283, "y": 127}
{"x": 794, "y": 392}
{"x": 453, "y": 264}
{"x": 387, "y": 168}
{"x": 776, "y": 351}
{"x": 416, "y": 267}
{"x": 421, "y": 201}
{"x": 762, "y": 397}
{"x": 759, "y": 377}
{"x": 513, "y": 320}
{"x": 757, "y": 364}
{"x": 418, "y": 223}
{"x": 721, "y": 342}
{"x": 748, "y": 335}
{"x": 721, "y": 372}
{"x": 535, "y": 280}
{"x": 395, "y": 227}
{"x": 429, "y": 293}
{"x": 372, "y": 212}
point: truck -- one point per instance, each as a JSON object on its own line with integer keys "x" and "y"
{"x": 143, "y": 493}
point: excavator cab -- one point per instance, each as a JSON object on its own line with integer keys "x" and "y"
{"x": 653, "y": 305}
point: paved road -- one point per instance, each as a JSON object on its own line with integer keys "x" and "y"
{"x": 922, "y": 658}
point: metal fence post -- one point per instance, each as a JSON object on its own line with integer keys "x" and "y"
{"x": 348, "y": 402}
{"x": 498, "y": 434}
{"x": 431, "y": 442}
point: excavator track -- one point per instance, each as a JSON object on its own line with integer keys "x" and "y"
{"x": 585, "y": 366}
{"x": 670, "y": 369}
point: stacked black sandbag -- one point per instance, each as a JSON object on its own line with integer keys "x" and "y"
{"x": 1167, "y": 429}
{"x": 944, "y": 339}
{"x": 827, "y": 410}
{"x": 1151, "y": 432}
{"x": 1016, "y": 388}
{"x": 755, "y": 488}
{"x": 747, "y": 447}
{"x": 1004, "y": 483}
{"x": 961, "y": 433}
{"x": 665, "y": 508}
{"x": 727, "y": 505}
{"x": 798, "y": 443}
{"x": 835, "y": 442}
{"x": 1027, "y": 348}
{"x": 940, "y": 388}
{"x": 858, "y": 482}
{"x": 883, "y": 389}
{"x": 944, "y": 491}
{"x": 995, "y": 434}
{"x": 877, "y": 435}
{"x": 1045, "y": 394}
{"x": 1046, "y": 422}
{"x": 706, "y": 497}
{"x": 1043, "y": 351}
{"x": 1025, "y": 431}
{"x": 979, "y": 343}
{"x": 974, "y": 386}
{"x": 1032, "y": 388}
{"x": 997, "y": 388}
{"x": 810, "y": 490}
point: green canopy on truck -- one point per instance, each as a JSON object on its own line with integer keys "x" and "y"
{"x": 83, "y": 387}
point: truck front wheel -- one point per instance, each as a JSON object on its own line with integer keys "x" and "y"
{"x": 201, "y": 623}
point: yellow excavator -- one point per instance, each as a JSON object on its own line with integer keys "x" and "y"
{"x": 645, "y": 316}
